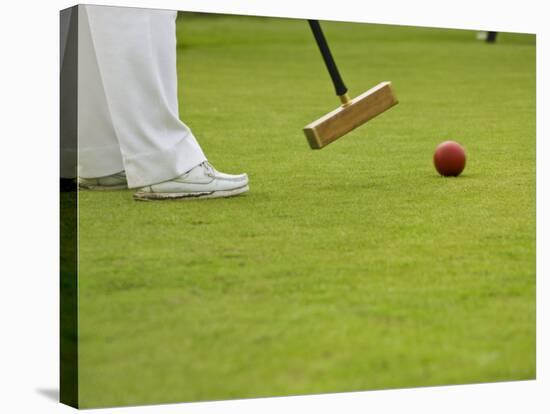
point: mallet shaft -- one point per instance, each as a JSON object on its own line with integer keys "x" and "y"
{"x": 339, "y": 86}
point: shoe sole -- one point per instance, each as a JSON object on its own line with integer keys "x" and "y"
{"x": 102, "y": 187}
{"x": 144, "y": 196}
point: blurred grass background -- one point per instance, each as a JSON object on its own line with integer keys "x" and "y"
{"x": 351, "y": 268}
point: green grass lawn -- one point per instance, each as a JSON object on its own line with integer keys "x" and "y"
{"x": 351, "y": 268}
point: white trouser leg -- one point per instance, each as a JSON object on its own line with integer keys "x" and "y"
{"x": 68, "y": 85}
{"x": 98, "y": 146}
{"x": 135, "y": 52}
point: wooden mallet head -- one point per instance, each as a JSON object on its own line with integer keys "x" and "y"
{"x": 350, "y": 115}
{"x": 353, "y": 112}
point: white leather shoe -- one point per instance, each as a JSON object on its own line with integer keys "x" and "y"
{"x": 111, "y": 182}
{"x": 203, "y": 181}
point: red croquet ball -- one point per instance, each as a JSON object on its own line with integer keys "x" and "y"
{"x": 449, "y": 158}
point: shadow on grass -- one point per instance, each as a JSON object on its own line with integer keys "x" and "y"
{"x": 460, "y": 177}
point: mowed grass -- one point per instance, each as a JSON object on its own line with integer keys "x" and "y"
{"x": 351, "y": 268}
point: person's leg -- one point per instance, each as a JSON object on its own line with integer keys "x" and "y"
{"x": 491, "y": 37}
{"x": 98, "y": 148}
{"x": 136, "y": 56}
{"x": 68, "y": 96}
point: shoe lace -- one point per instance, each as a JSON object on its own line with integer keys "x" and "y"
{"x": 209, "y": 167}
